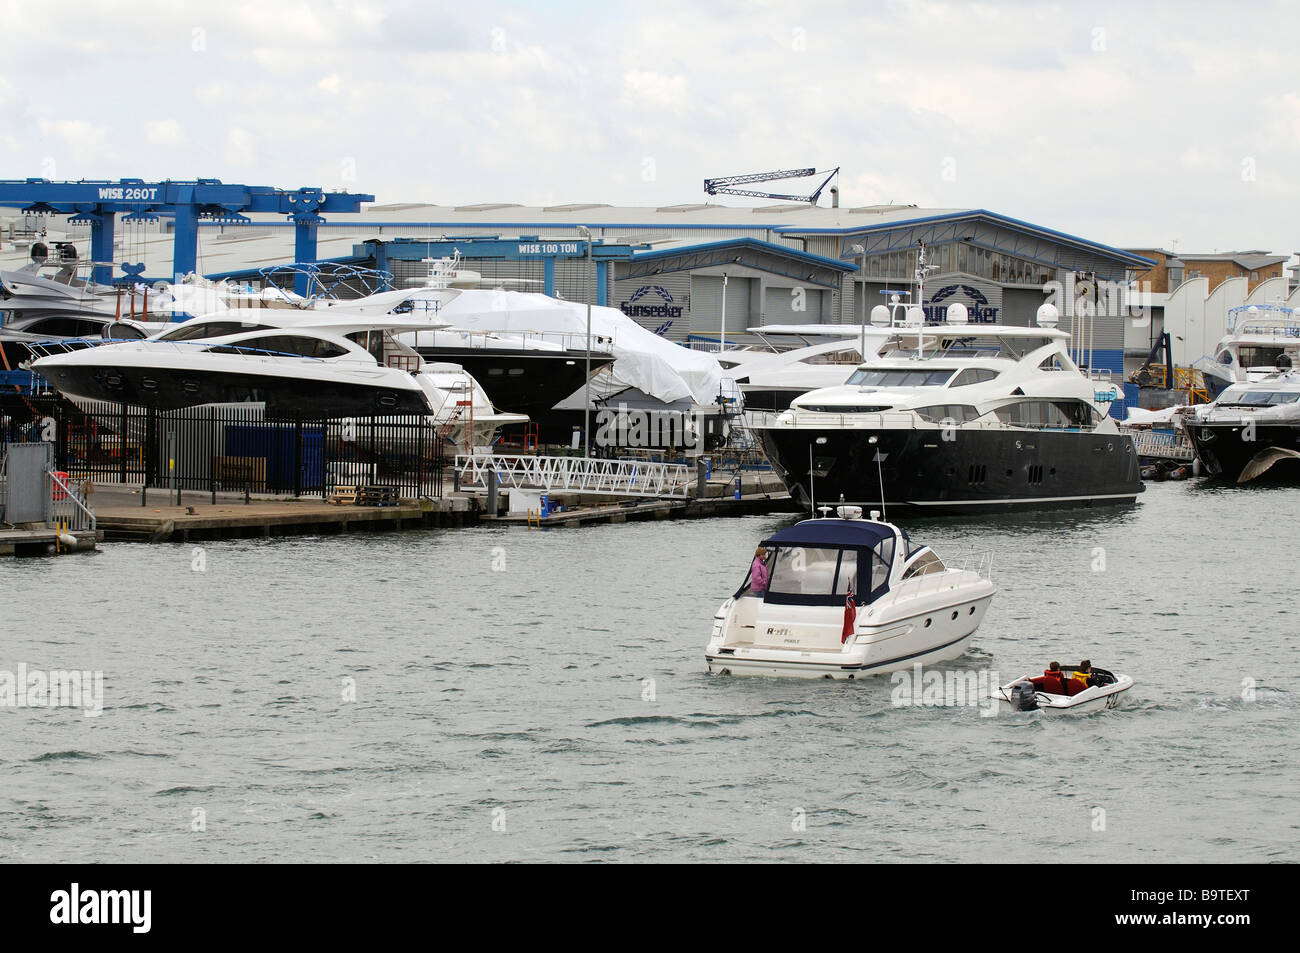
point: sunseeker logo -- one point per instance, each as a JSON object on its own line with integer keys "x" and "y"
{"x": 666, "y": 310}
{"x": 978, "y": 309}
{"x": 74, "y": 906}
{"x": 37, "y": 688}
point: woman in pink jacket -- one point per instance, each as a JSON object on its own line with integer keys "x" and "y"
{"x": 758, "y": 574}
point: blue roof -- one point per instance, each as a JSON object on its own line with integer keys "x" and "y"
{"x": 832, "y": 532}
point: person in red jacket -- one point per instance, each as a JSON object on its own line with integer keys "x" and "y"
{"x": 1051, "y": 681}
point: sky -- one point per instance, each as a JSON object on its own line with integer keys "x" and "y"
{"x": 1137, "y": 124}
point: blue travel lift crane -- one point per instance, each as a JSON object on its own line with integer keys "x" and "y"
{"x": 98, "y": 203}
{"x": 726, "y": 184}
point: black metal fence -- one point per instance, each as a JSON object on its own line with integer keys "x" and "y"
{"x": 230, "y": 447}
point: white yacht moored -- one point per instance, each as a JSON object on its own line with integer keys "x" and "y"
{"x": 846, "y": 597}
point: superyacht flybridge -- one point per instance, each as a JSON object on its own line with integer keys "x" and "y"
{"x": 958, "y": 418}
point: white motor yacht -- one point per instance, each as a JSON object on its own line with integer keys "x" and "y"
{"x": 1252, "y": 429}
{"x": 311, "y": 365}
{"x": 958, "y": 418}
{"x": 1261, "y": 340}
{"x": 846, "y": 597}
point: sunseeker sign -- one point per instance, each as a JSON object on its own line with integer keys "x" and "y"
{"x": 978, "y": 307}
{"x": 668, "y": 309}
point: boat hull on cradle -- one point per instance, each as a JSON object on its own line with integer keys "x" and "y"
{"x": 977, "y": 470}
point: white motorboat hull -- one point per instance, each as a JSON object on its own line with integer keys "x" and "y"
{"x": 888, "y": 638}
{"x": 1088, "y": 701}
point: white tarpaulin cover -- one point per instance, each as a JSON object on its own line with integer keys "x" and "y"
{"x": 642, "y": 359}
{"x": 1138, "y": 417}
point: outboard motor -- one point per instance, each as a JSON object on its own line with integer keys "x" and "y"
{"x": 1024, "y": 697}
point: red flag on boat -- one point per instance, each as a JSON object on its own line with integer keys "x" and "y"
{"x": 850, "y": 617}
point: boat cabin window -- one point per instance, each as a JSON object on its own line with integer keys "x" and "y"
{"x": 938, "y": 413}
{"x": 1258, "y": 398}
{"x": 974, "y": 375}
{"x": 289, "y": 344}
{"x": 844, "y": 408}
{"x": 924, "y": 564}
{"x": 813, "y": 575}
{"x": 118, "y": 331}
{"x": 195, "y": 330}
{"x": 1049, "y": 414}
{"x": 65, "y": 327}
{"x": 372, "y": 341}
{"x": 803, "y": 570}
{"x": 867, "y": 377}
{"x": 1255, "y": 355}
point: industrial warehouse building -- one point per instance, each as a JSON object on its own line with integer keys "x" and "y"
{"x": 695, "y": 271}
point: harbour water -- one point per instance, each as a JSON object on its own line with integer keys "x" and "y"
{"x": 498, "y": 694}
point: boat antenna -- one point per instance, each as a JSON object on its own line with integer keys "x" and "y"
{"x": 875, "y": 441}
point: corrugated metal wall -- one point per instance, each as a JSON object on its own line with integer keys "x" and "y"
{"x": 706, "y": 304}
{"x": 779, "y": 305}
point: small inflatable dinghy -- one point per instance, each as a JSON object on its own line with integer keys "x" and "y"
{"x": 1103, "y": 690}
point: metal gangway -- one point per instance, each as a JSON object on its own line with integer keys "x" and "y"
{"x": 576, "y": 475}
{"x": 1162, "y": 445}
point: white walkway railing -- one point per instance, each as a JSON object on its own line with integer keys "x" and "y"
{"x": 577, "y": 475}
{"x": 1172, "y": 446}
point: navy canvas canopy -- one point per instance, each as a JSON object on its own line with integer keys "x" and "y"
{"x": 837, "y": 533}
{"x": 872, "y": 542}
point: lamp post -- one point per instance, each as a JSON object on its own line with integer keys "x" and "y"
{"x": 585, "y": 232}
{"x": 862, "y": 271}
{"x": 722, "y": 330}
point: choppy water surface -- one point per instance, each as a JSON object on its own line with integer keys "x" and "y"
{"x": 501, "y": 682}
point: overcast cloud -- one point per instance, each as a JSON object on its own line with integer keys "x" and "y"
{"x": 1134, "y": 124}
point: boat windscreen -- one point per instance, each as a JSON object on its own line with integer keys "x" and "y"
{"x": 823, "y": 575}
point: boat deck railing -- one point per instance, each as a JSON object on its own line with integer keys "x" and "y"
{"x": 980, "y": 563}
{"x": 576, "y": 475}
{"x": 1170, "y": 446}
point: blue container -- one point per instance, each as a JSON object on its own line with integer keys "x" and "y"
{"x": 275, "y": 444}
